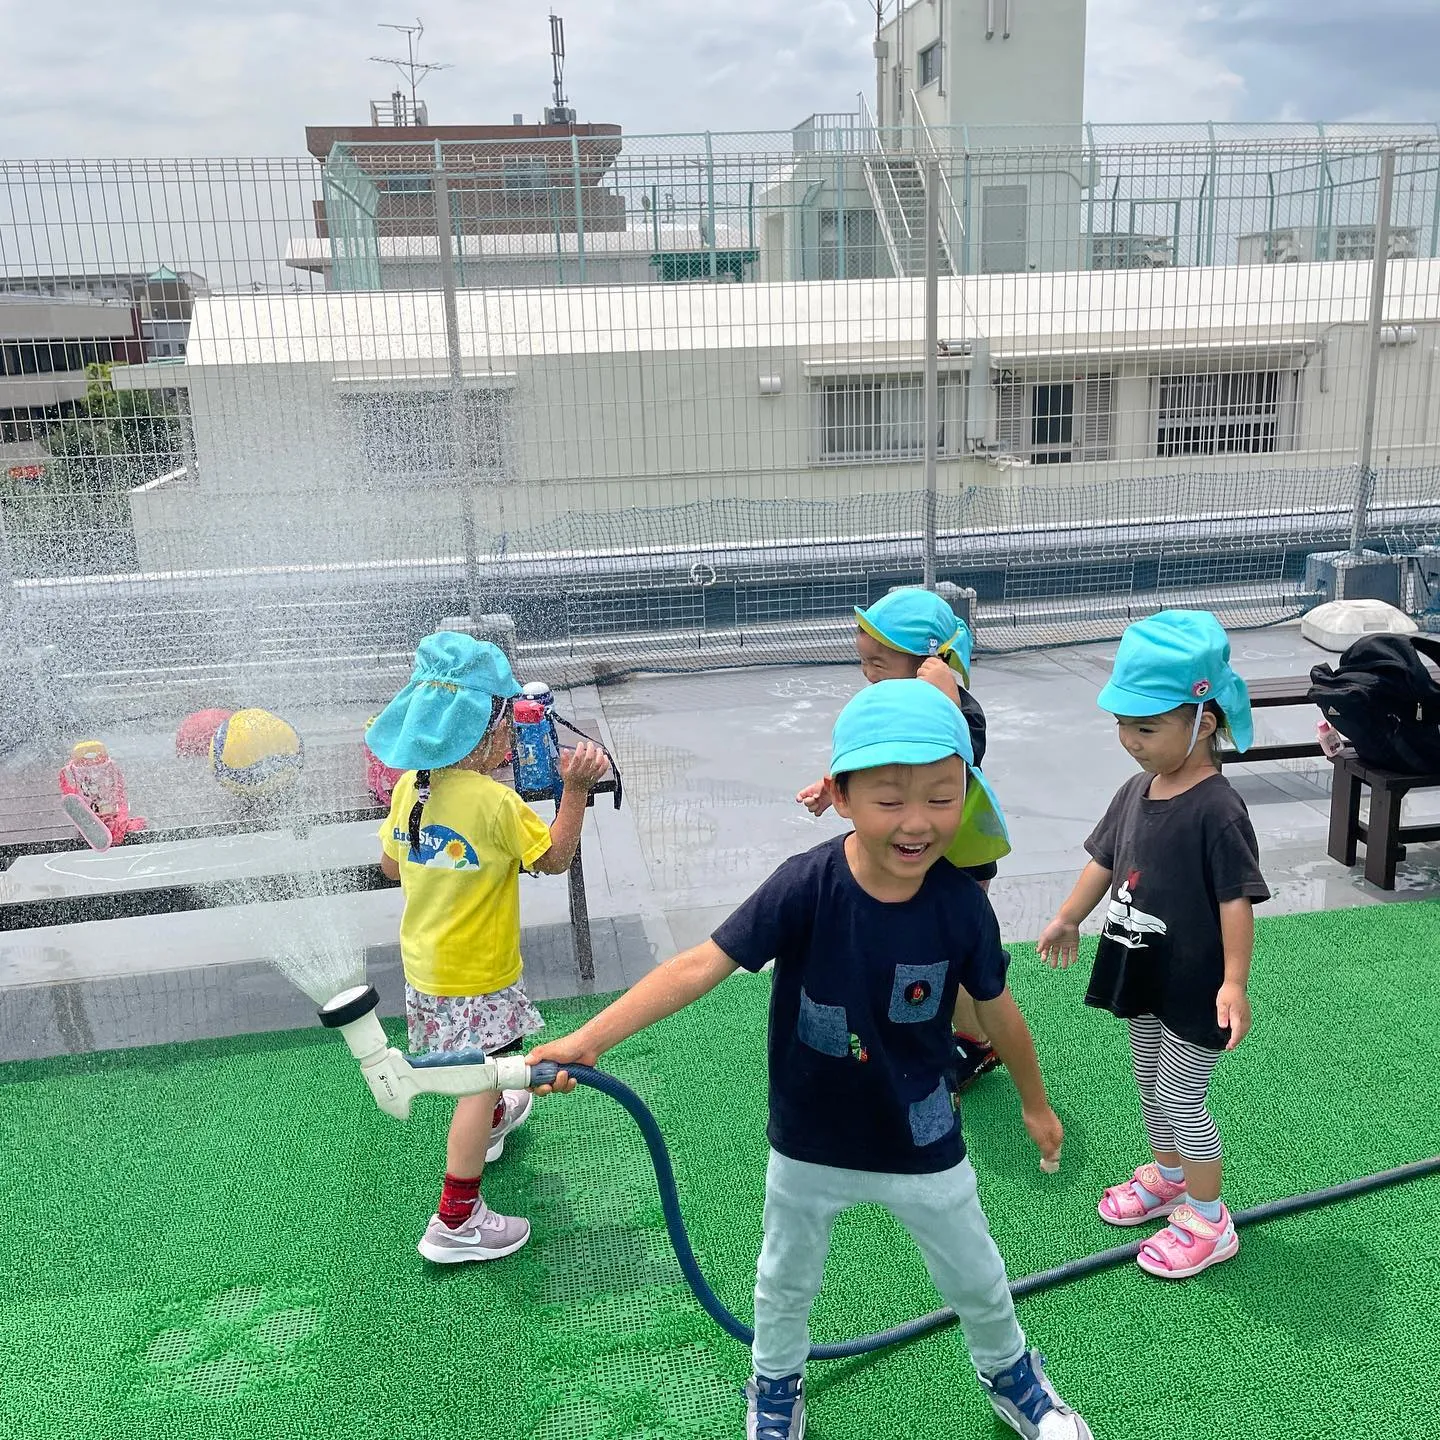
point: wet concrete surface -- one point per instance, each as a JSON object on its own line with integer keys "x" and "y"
{"x": 711, "y": 764}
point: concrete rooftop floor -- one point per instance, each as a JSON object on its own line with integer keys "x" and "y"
{"x": 711, "y": 764}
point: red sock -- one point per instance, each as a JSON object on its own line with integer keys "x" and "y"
{"x": 457, "y": 1199}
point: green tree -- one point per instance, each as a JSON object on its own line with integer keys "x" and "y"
{"x": 74, "y": 518}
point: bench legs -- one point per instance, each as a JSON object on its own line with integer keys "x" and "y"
{"x": 1382, "y": 838}
{"x": 580, "y": 919}
{"x": 1344, "y": 815}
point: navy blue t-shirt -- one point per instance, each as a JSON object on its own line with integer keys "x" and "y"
{"x": 860, "y": 1041}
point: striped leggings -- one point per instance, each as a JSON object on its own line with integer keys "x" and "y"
{"x": 1173, "y": 1076}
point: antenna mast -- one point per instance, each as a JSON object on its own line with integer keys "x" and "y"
{"x": 560, "y": 112}
{"x": 411, "y": 68}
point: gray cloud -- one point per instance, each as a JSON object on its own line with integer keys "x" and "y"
{"x": 211, "y": 77}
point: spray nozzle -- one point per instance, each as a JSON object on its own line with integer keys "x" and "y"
{"x": 349, "y": 1005}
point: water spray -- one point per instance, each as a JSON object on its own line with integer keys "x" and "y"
{"x": 396, "y": 1079}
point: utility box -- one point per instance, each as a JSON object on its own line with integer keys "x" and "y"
{"x": 960, "y": 598}
{"x": 1367, "y": 576}
{"x": 498, "y": 629}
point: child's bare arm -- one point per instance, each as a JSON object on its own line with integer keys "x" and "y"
{"x": 389, "y": 866}
{"x": 1011, "y": 1040}
{"x": 1232, "y": 1005}
{"x": 666, "y": 989}
{"x": 1059, "y": 942}
{"x": 582, "y": 768}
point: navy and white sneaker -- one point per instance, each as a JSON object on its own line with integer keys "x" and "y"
{"x": 1026, "y": 1401}
{"x": 775, "y": 1409}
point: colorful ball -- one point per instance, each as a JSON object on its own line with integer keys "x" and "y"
{"x": 197, "y": 731}
{"x": 256, "y": 753}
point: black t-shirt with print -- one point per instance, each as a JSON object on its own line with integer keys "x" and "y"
{"x": 860, "y": 1043}
{"x": 1175, "y": 862}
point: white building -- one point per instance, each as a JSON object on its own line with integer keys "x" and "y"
{"x": 322, "y": 422}
{"x": 46, "y": 341}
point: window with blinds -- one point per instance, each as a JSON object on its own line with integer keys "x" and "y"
{"x": 1229, "y": 412}
{"x": 881, "y": 417}
{"x": 1054, "y": 423}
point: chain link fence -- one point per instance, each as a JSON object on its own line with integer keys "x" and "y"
{"x": 676, "y": 401}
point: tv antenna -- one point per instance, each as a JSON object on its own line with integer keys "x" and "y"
{"x": 560, "y": 112}
{"x": 412, "y": 68}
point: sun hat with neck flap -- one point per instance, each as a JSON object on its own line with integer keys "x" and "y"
{"x": 910, "y": 722}
{"x": 445, "y": 710}
{"x": 1175, "y": 658}
{"x": 918, "y": 622}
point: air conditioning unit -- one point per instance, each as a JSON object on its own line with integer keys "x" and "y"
{"x": 1120, "y": 250}
{"x": 1296, "y": 243}
{"x": 1289, "y": 246}
{"x": 1357, "y": 242}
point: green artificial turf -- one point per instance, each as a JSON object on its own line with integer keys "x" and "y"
{"x": 218, "y": 1239}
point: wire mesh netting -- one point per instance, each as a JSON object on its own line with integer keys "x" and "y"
{"x": 651, "y": 401}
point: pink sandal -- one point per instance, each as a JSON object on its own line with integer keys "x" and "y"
{"x": 1190, "y": 1244}
{"x": 1124, "y": 1205}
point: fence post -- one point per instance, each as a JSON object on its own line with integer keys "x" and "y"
{"x": 460, "y": 471}
{"x": 1365, "y": 469}
{"x": 579, "y": 203}
{"x": 931, "y": 400}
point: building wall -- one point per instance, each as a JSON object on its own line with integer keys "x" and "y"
{"x": 1034, "y": 76}
{"x": 281, "y": 479}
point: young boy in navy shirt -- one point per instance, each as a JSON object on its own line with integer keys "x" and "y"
{"x": 872, "y": 939}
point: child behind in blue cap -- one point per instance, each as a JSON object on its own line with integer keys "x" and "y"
{"x": 912, "y": 633}
{"x": 872, "y": 934}
{"x": 1177, "y": 855}
{"x": 456, "y": 841}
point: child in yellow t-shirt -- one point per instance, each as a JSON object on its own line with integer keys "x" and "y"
{"x": 456, "y": 840}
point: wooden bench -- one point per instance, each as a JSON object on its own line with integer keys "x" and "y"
{"x": 1270, "y": 693}
{"x": 331, "y": 791}
{"x": 1383, "y": 835}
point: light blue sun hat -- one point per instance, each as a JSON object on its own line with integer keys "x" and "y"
{"x": 909, "y": 722}
{"x": 919, "y": 622}
{"x": 1174, "y": 658}
{"x": 445, "y": 710}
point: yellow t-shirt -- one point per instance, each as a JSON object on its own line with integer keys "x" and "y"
{"x": 460, "y": 933}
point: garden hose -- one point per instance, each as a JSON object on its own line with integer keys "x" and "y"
{"x": 544, "y": 1072}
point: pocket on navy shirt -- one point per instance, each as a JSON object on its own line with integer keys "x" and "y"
{"x": 915, "y": 995}
{"x": 932, "y": 1118}
{"x": 823, "y": 1027}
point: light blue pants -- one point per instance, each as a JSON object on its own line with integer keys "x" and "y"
{"x": 942, "y": 1213}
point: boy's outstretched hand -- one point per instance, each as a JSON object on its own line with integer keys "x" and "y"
{"x": 816, "y": 798}
{"x": 1059, "y": 943}
{"x": 583, "y": 767}
{"x": 568, "y": 1050}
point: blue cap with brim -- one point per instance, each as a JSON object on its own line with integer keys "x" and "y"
{"x": 918, "y": 622}
{"x": 1174, "y": 658}
{"x": 444, "y": 712}
{"x": 909, "y": 722}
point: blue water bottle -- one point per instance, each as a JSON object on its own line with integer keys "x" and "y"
{"x": 537, "y": 756}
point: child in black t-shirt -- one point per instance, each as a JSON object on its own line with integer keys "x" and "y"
{"x": 1177, "y": 855}
{"x": 872, "y": 935}
{"x": 912, "y": 633}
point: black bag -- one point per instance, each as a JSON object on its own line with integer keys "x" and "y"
{"x": 1381, "y": 697}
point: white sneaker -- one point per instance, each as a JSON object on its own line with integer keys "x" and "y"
{"x": 518, "y": 1104}
{"x": 483, "y": 1236}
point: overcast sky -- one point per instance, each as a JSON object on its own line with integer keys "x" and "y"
{"x": 216, "y": 77}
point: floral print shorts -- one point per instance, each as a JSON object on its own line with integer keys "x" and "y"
{"x": 491, "y": 1023}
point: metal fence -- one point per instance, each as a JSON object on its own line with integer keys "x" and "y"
{"x": 684, "y": 401}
